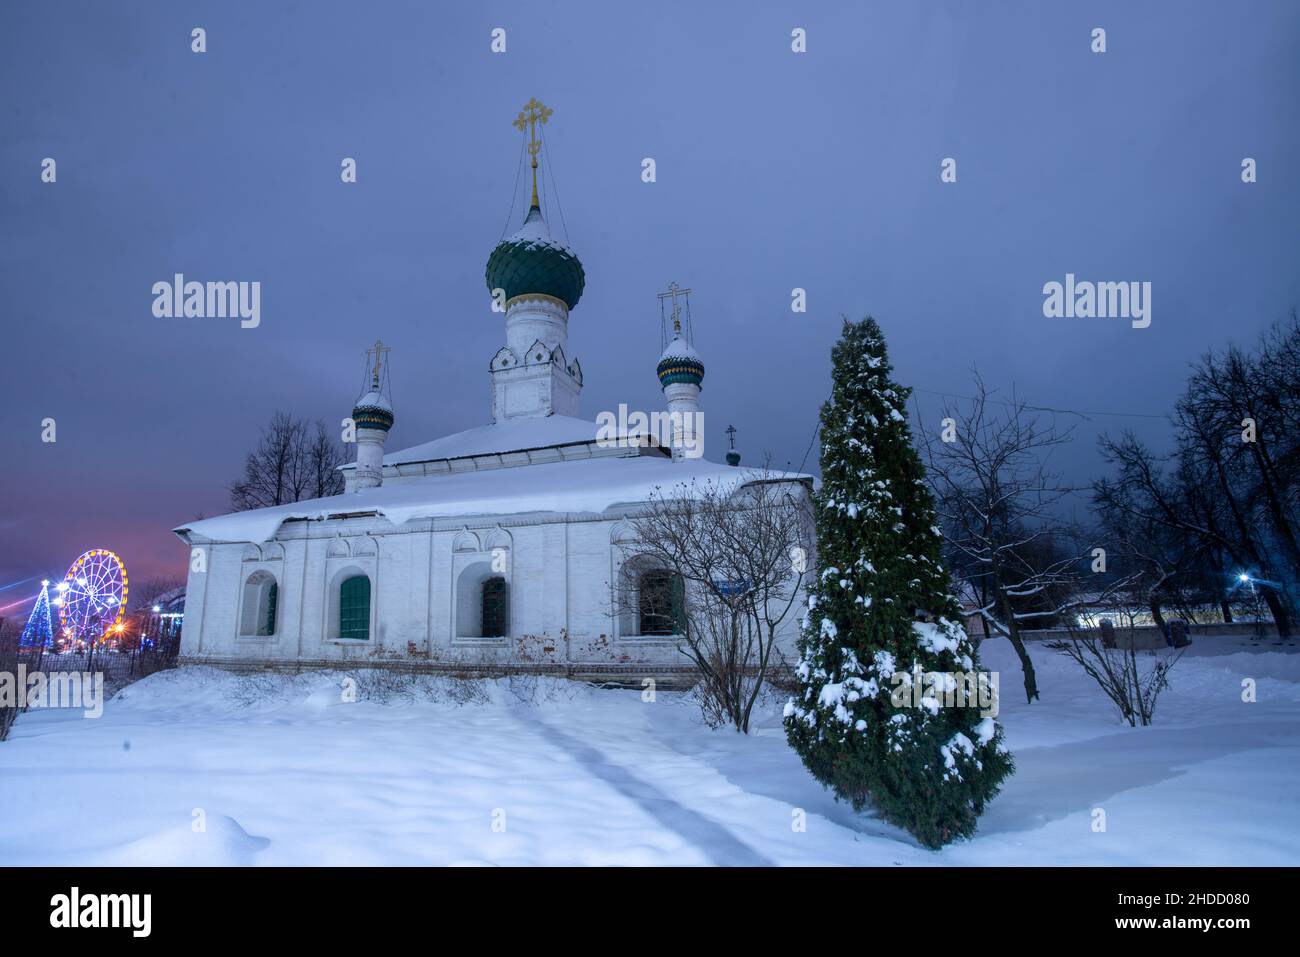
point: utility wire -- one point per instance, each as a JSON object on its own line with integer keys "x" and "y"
{"x": 1043, "y": 408}
{"x": 546, "y": 153}
{"x": 804, "y": 460}
{"x": 510, "y": 216}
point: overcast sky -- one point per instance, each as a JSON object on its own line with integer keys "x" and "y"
{"x": 775, "y": 170}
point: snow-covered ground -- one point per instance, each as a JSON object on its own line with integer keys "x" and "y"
{"x": 571, "y": 774}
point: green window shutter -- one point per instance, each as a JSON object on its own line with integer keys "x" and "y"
{"x": 663, "y": 603}
{"x": 271, "y": 598}
{"x": 496, "y": 608}
{"x": 679, "y": 605}
{"x": 354, "y": 608}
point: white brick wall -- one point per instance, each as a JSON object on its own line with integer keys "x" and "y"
{"x": 559, "y": 568}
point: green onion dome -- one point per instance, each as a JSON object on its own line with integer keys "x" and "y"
{"x": 680, "y": 363}
{"x": 373, "y": 412}
{"x": 531, "y": 261}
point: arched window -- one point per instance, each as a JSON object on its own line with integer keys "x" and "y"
{"x": 260, "y": 599}
{"x": 496, "y": 608}
{"x": 661, "y": 603}
{"x": 354, "y": 608}
{"x": 482, "y": 602}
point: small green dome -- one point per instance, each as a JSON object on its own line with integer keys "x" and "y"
{"x": 531, "y": 261}
{"x": 680, "y": 363}
{"x": 373, "y": 411}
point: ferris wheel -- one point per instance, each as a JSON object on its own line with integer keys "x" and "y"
{"x": 92, "y": 596}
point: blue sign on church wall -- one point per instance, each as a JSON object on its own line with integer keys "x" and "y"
{"x": 732, "y": 588}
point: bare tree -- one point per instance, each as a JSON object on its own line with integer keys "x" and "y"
{"x": 1228, "y": 390}
{"x": 324, "y": 456}
{"x": 1132, "y": 683}
{"x": 1192, "y": 492}
{"x": 290, "y": 463}
{"x": 1223, "y": 504}
{"x": 736, "y": 554}
{"x": 1158, "y": 559}
{"x": 997, "y": 503}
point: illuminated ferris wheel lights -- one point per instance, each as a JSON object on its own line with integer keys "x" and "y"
{"x": 61, "y": 586}
{"x": 93, "y": 595}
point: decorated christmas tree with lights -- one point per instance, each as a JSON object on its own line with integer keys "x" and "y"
{"x": 39, "y": 631}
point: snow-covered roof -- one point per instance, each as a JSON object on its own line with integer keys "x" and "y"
{"x": 512, "y": 435}
{"x": 679, "y": 348}
{"x": 586, "y": 485}
{"x": 535, "y": 232}
{"x": 374, "y": 400}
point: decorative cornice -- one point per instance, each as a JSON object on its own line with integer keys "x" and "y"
{"x": 537, "y": 297}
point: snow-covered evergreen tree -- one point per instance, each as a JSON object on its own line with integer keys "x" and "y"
{"x": 882, "y": 640}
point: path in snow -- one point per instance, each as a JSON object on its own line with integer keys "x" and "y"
{"x": 707, "y": 835}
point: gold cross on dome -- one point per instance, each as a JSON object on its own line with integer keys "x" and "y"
{"x": 674, "y": 291}
{"x": 378, "y": 352}
{"x": 534, "y": 112}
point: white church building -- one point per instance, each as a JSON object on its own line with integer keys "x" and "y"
{"x": 501, "y": 545}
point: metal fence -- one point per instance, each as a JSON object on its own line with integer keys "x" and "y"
{"x": 118, "y": 667}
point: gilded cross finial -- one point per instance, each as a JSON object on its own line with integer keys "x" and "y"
{"x": 377, "y": 351}
{"x": 534, "y": 112}
{"x": 674, "y": 291}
